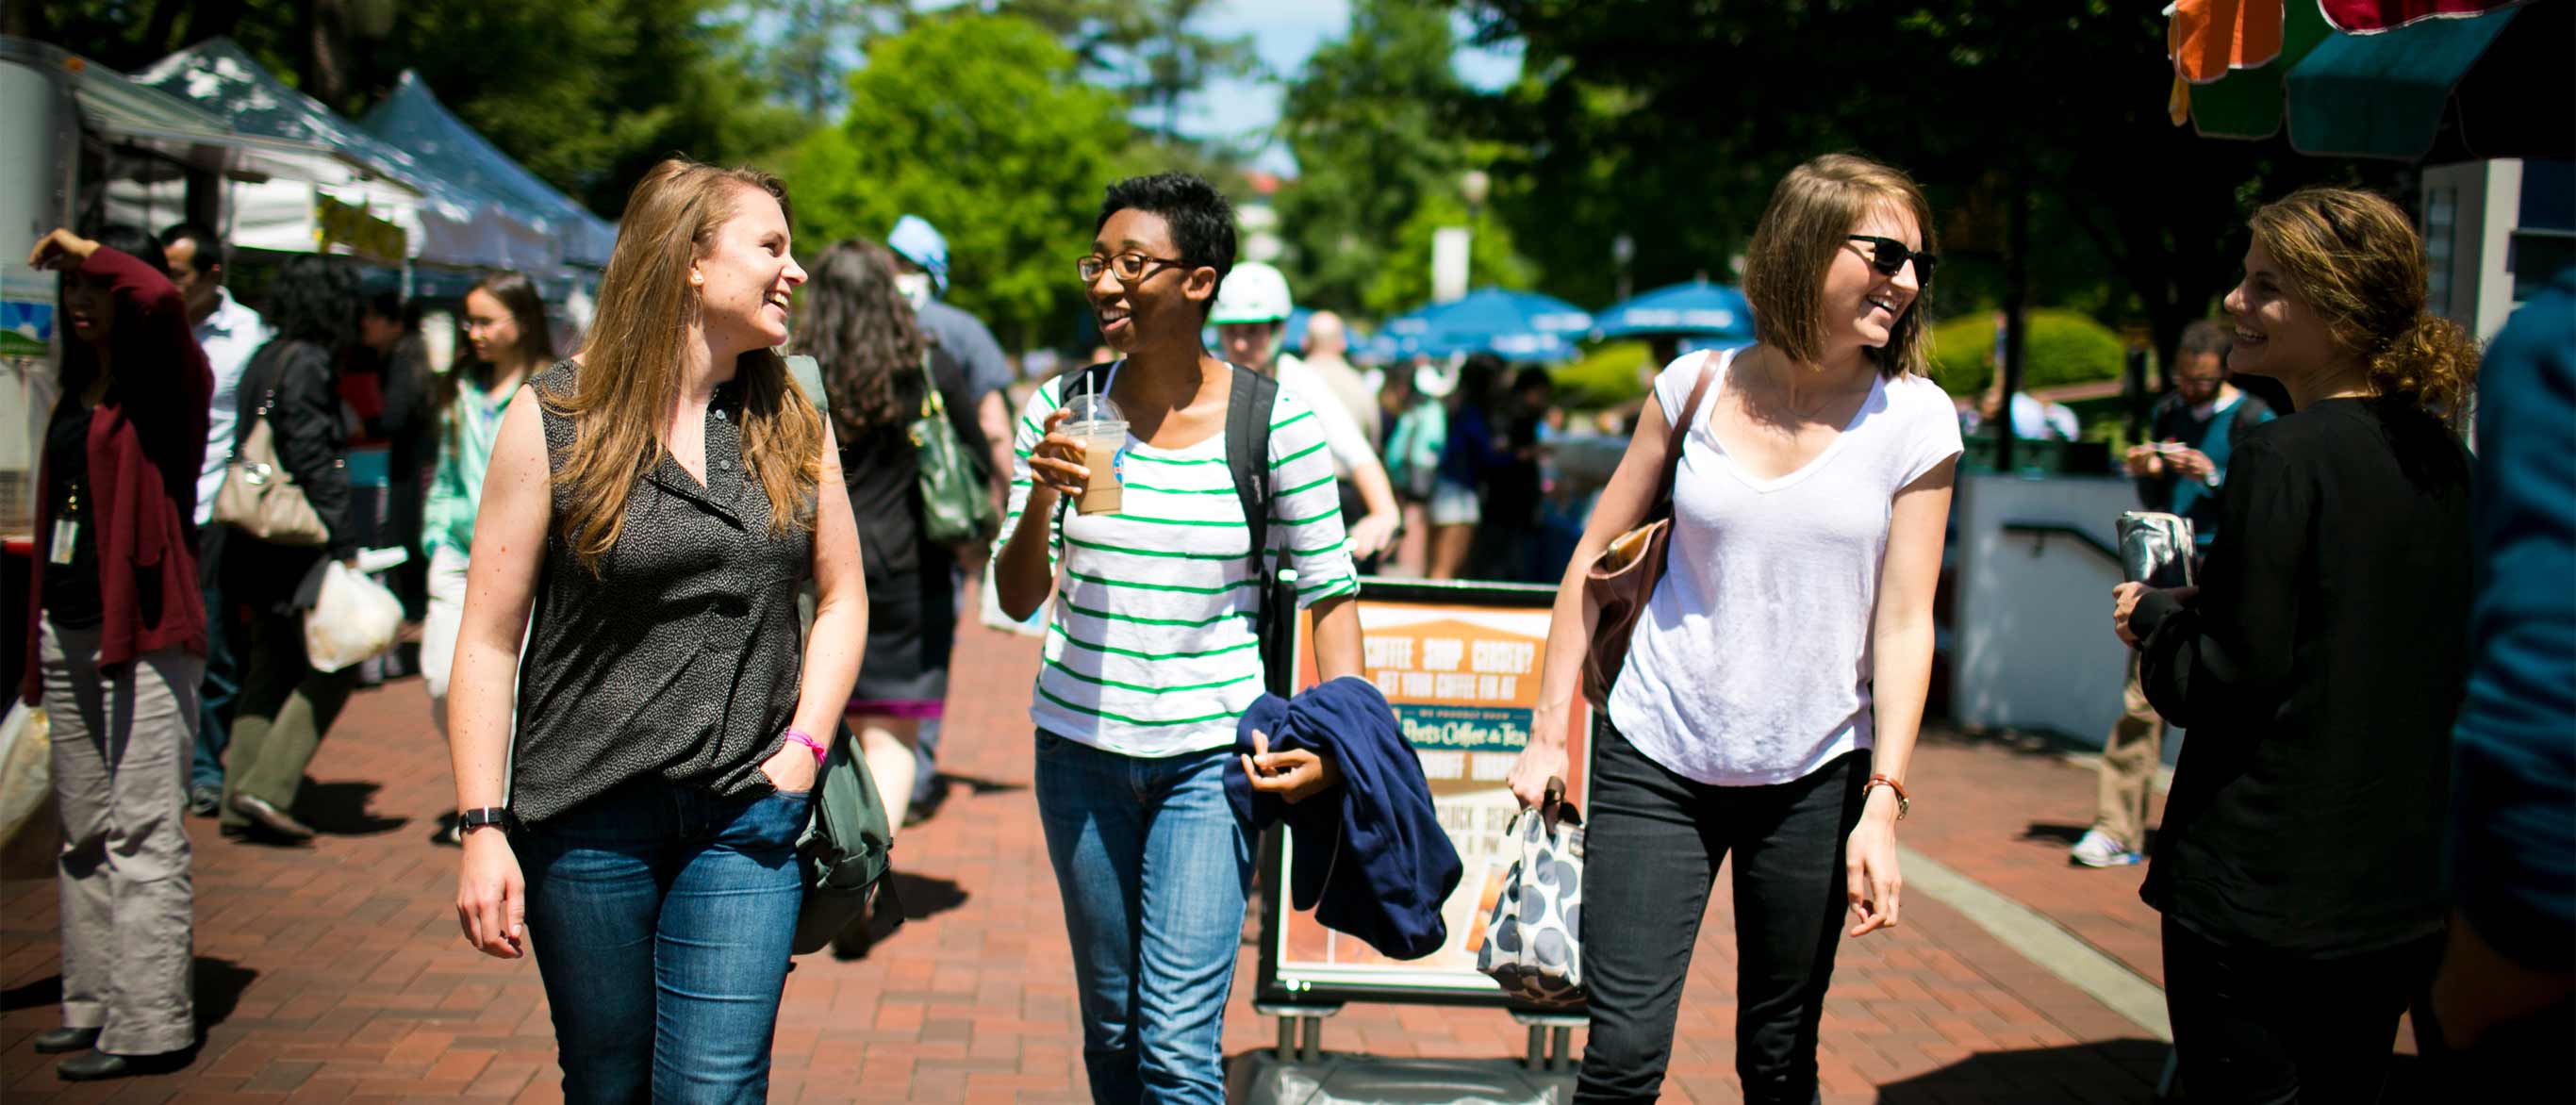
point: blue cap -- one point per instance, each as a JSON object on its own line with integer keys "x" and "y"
{"x": 920, "y": 243}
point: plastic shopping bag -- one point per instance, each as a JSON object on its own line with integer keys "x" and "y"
{"x": 30, "y": 831}
{"x": 355, "y": 618}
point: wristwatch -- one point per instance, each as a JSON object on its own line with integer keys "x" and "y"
{"x": 497, "y": 816}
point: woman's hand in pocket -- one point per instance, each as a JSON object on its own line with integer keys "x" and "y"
{"x": 791, "y": 769}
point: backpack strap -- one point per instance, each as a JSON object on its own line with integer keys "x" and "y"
{"x": 1247, "y": 457}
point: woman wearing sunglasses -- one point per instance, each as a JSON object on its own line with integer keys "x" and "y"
{"x": 1151, "y": 651}
{"x": 1772, "y": 691}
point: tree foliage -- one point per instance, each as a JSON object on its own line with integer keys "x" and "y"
{"x": 1669, "y": 120}
{"x": 1149, "y": 48}
{"x": 1373, "y": 122}
{"x": 981, "y": 125}
{"x": 1403, "y": 282}
{"x": 587, "y": 93}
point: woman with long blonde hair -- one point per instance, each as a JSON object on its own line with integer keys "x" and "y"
{"x": 2318, "y": 666}
{"x": 656, "y": 507}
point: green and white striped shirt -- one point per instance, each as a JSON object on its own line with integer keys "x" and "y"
{"x": 1150, "y": 649}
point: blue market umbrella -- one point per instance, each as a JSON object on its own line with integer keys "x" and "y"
{"x": 1697, "y": 309}
{"x": 1516, "y": 326}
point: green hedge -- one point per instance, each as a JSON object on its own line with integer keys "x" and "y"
{"x": 1609, "y": 374}
{"x": 2064, "y": 347}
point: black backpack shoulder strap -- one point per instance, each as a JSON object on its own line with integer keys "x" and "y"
{"x": 1247, "y": 454}
{"x": 1247, "y": 457}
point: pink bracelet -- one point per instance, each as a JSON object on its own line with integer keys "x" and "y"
{"x": 807, "y": 739}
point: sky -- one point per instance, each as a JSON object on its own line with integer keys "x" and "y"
{"x": 1284, "y": 32}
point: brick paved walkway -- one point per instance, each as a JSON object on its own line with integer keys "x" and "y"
{"x": 335, "y": 972}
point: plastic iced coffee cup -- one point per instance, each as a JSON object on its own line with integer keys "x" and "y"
{"x": 1103, "y": 431}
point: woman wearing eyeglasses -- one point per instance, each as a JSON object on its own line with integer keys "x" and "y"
{"x": 1772, "y": 691}
{"x": 1152, "y": 651}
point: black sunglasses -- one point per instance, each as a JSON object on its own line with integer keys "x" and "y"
{"x": 1889, "y": 256}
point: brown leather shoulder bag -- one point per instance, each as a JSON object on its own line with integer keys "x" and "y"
{"x": 1622, "y": 578}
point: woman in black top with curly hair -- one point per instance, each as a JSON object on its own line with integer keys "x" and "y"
{"x": 285, "y": 706}
{"x": 878, "y": 366}
{"x": 2318, "y": 667}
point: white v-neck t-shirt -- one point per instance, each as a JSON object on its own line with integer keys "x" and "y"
{"x": 1751, "y": 665}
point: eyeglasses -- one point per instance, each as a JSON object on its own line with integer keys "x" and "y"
{"x": 1889, "y": 256}
{"x": 1131, "y": 268}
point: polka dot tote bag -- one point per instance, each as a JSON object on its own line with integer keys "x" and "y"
{"x": 1534, "y": 937}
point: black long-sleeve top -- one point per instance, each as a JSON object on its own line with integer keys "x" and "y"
{"x": 312, "y": 444}
{"x": 2318, "y": 672}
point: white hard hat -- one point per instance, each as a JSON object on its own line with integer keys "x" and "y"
{"x": 1253, "y": 292}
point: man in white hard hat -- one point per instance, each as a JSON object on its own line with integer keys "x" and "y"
{"x": 1251, "y": 310}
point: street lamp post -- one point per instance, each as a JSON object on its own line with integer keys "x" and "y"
{"x": 1453, "y": 247}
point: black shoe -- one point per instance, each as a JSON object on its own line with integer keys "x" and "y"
{"x": 98, "y": 1066}
{"x": 204, "y": 799}
{"x": 64, "y": 1040}
{"x": 276, "y": 821}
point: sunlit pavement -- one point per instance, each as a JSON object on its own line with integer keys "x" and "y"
{"x": 335, "y": 972}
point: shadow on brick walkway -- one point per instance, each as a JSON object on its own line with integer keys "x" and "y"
{"x": 335, "y": 972}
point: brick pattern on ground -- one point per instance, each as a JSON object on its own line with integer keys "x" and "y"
{"x": 335, "y": 973}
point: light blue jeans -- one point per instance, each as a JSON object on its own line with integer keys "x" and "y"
{"x": 661, "y": 917}
{"x": 1154, "y": 868}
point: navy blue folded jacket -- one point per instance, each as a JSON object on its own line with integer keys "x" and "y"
{"x": 1372, "y": 859}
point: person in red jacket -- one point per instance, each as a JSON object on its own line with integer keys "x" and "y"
{"x": 119, "y": 633}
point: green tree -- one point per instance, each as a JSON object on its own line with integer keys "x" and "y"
{"x": 981, "y": 125}
{"x": 1149, "y": 48}
{"x": 1374, "y": 126}
{"x": 1668, "y": 120}
{"x": 587, "y": 93}
{"x": 1403, "y": 281}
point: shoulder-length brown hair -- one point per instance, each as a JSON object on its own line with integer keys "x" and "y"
{"x": 630, "y": 364}
{"x": 2356, "y": 260}
{"x": 1812, "y": 211}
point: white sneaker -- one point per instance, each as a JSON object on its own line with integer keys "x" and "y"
{"x": 2097, "y": 849}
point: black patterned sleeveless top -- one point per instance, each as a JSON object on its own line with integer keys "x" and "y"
{"x": 680, "y": 660}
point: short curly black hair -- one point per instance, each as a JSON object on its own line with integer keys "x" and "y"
{"x": 313, "y": 299}
{"x": 1202, "y": 221}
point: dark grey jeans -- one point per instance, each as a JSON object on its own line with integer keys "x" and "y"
{"x": 1652, "y": 847}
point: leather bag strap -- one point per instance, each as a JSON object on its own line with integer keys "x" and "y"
{"x": 1681, "y": 432}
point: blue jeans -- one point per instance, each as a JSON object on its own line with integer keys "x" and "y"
{"x": 1154, "y": 867}
{"x": 661, "y": 917}
{"x": 215, "y": 697}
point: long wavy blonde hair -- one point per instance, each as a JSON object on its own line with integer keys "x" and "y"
{"x": 631, "y": 366}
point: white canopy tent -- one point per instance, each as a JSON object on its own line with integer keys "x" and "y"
{"x": 442, "y": 222}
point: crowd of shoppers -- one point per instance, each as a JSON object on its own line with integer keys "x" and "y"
{"x": 614, "y": 545}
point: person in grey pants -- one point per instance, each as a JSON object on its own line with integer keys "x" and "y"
{"x": 119, "y": 637}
